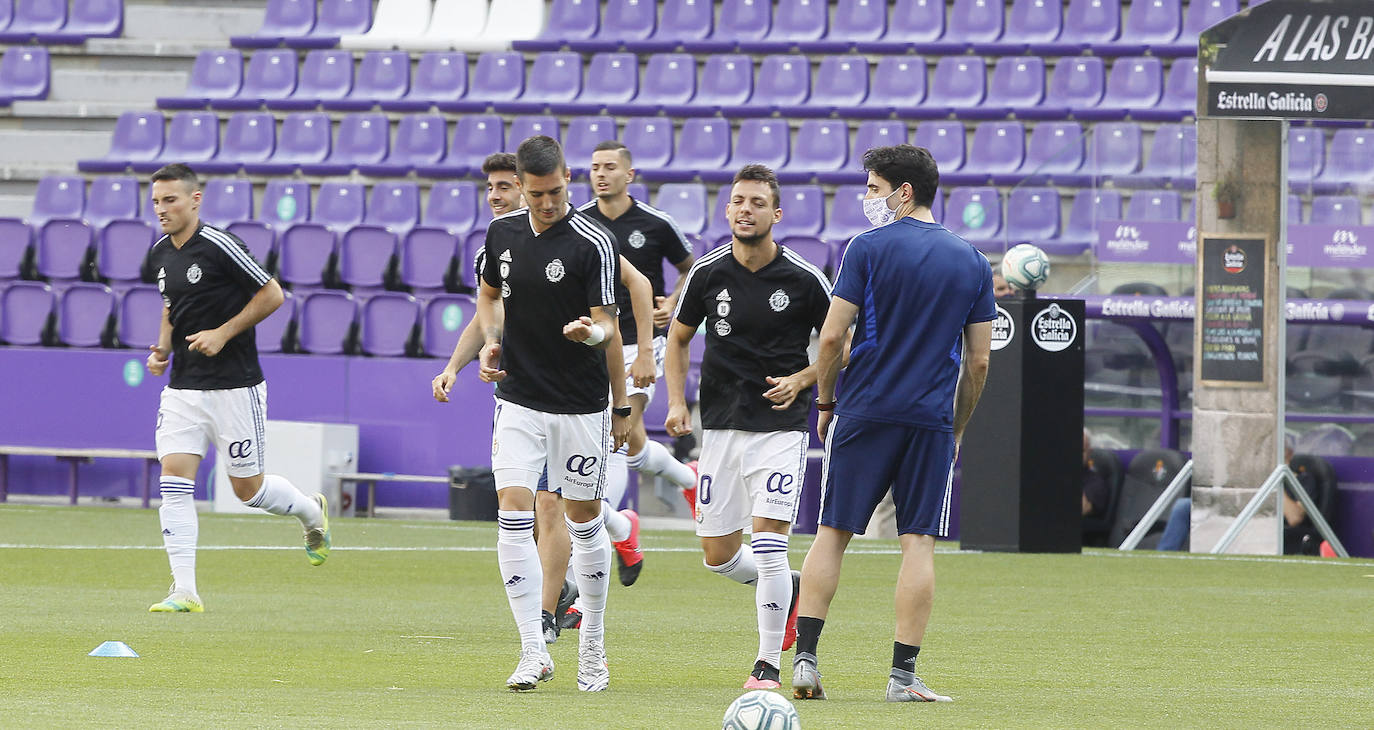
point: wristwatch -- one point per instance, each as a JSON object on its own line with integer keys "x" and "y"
{"x": 622, "y": 411}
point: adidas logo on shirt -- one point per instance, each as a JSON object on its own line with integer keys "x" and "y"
{"x": 505, "y": 255}
{"x": 723, "y": 296}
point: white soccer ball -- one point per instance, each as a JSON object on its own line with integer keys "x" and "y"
{"x": 761, "y": 710}
{"x": 1025, "y": 266}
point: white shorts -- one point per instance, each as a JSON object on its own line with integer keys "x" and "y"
{"x": 234, "y": 419}
{"x": 632, "y": 353}
{"x": 574, "y": 446}
{"x": 747, "y": 474}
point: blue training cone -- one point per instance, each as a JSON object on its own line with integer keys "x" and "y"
{"x": 115, "y": 649}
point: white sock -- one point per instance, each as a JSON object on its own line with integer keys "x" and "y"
{"x": 773, "y": 596}
{"x": 617, "y": 525}
{"x": 280, "y": 497}
{"x": 740, "y": 568}
{"x": 655, "y": 460}
{"x": 522, "y": 573}
{"x": 591, "y": 557}
{"x": 180, "y": 529}
{"x": 617, "y": 478}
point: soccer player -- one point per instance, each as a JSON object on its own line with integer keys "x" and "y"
{"x": 921, "y": 301}
{"x": 547, "y": 306}
{"x": 213, "y": 293}
{"x": 551, "y": 534}
{"x": 647, "y": 237}
{"x": 760, "y": 303}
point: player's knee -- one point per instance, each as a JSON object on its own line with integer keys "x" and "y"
{"x": 245, "y": 488}
{"x": 718, "y": 551}
{"x": 580, "y": 511}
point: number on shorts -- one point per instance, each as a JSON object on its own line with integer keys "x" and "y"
{"x": 704, "y": 490}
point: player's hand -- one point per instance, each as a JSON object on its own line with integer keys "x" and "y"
{"x": 662, "y": 314}
{"x": 207, "y": 342}
{"x": 442, "y": 384}
{"x": 784, "y": 391}
{"x": 490, "y": 361}
{"x": 620, "y": 431}
{"x": 958, "y": 441}
{"x": 823, "y": 419}
{"x": 679, "y": 421}
{"x": 579, "y": 329}
{"x": 642, "y": 372}
{"x": 158, "y": 360}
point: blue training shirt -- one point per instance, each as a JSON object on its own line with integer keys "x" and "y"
{"x": 916, "y": 285}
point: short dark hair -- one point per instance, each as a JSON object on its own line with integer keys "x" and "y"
{"x": 615, "y": 144}
{"x": 498, "y": 162}
{"x": 539, "y": 155}
{"x": 177, "y": 171}
{"x": 764, "y": 174}
{"x": 905, "y": 163}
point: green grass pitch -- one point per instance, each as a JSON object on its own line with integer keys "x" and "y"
{"x": 407, "y": 626}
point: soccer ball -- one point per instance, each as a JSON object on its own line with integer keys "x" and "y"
{"x": 1025, "y": 266}
{"x": 761, "y": 710}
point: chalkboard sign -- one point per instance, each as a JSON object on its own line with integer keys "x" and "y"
{"x": 1231, "y": 309}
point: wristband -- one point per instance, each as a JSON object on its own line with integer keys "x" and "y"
{"x": 596, "y": 337}
{"x": 825, "y": 406}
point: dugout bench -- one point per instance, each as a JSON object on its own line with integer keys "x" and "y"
{"x": 371, "y": 478}
{"x": 74, "y": 457}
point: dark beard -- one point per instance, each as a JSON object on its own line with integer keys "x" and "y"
{"x": 754, "y": 240}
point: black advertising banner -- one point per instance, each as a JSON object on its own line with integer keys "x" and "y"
{"x": 1231, "y": 309}
{"x": 1292, "y": 59}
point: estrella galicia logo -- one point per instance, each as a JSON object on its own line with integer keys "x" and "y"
{"x": 1053, "y": 329}
{"x": 779, "y": 483}
{"x": 1003, "y": 329}
{"x": 582, "y": 465}
{"x": 241, "y": 449}
{"x": 1320, "y": 102}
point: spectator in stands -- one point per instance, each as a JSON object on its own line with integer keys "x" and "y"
{"x": 1095, "y": 492}
{"x": 1000, "y": 288}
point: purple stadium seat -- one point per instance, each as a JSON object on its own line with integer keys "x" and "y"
{"x": 137, "y": 138}
{"x": 216, "y": 74}
{"x": 1306, "y": 154}
{"x": 846, "y": 219}
{"x": 383, "y": 76}
{"x": 362, "y": 139}
{"x": 336, "y": 18}
{"x": 1203, "y": 14}
{"x": 1155, "y": 205}
{"x": 686, "y": 203}
{"x": 24, "y": 74}
{"x": 1114, "y": 151}
{"x": 445, "y": 318}
{"x": 271, "y": 74}
{"x": 803, "y": 208}
{"x": 387, "y": 321}
{"x": 474, "y": 137}
{"x": 726, "y": 80}
{"x": 365, "y": 253}
{"x": 821, "y": 145}
{"x": 419, "y": 143}
{"x": 1032, "y": 216}
{"x": 440, "y": 78}
{"x": 1018, "y": 83}
{"x": 568, "y": 20}
{"x": 34, "y": 17}
{"x": 650, "y": 140}
{"x": 870, "y": 134}
{"x": 1351, "y": 162}
{"x": 975, "y": 214}
{"x": 270, "y": 333}
{"x": 612, "y": 80}
{"x": 1054, "y": 149}
{"x": 622, "y": 21}
{"x": 1135, "y": 83}
{"x": 468, "y": 248}
{"x": 1180, "y": 94}
{"x": 84, "y": 311}
{"x": 817, "y": 252}
{"x": 841, "y": 84}
{"x": 584, "y": 134}
{"x": 1294, "y": 209}
{"x": 249, "y": 137}
{"x": 971, "y": 24}
{"x": 739, "y": 21}
{"x": 782, "y": 83}
{"x": 306, "y": 255}
{"x": 579, "y": 193}
{"x": 670, "y": 79}
{"x": 959, "y": 85}
{"x": 1089, "y": 207}
{"x": 945, "y": 140}
{"x": 717, "y": 227}
{"x": 192, "y": 137}
{"x": 325, "y": 76}
{"x": 911, "y": 25}
{"x": 998, "y": 148}
{"x": 425, "y": 257}
{"x": 679, "y": 20}
{"x": 1167, "y": 157}
{"x": 1028, "y": 22}
{"x": 284, "y": 19}
{"x": 326, "y": 322}
{"x": 555, "y": 77}
{"x": 62, "y": 247}
{"x": 499, "y": 76}
{"x": 638, "y": 191}
{"x": 304, "y": 139}
{"x": 339, "y": 205}
{"x": 120, "y": 250}
{"x": 109, "y": 198}
{"x": 58, "y": 196}
{"x": 394, "y": 206}
{"x": 140, "y": 317}
{"x": 898, "y": 85}
{"x": 1087, "y": 24}
{"x": 1339, "y": 210}
{"x": 89, "y": 19}
{"x": 703, "y": 146}
{"x": 855, "y": 21}
{"x": 25, "y": 307}
{"x": 1076, "y": 84}
{"x": 1150, "y": 25}
{"x": 16, "y": 238}
{"x": 794, "y": 22}
{"x": 260, "y": 238}
{"x": 765, "y": 141}
{"x": 522, "y": 128}
{"x": 285, "y": 202}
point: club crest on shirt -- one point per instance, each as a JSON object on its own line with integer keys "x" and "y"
{"x": 779, "y": 300}
{"x": 505, "y": 289}
{"x": 722, "y": 328}
{"x": 636, "y": 240}
{"x": 554, "y": 271}
{"x": 193, "y": 273}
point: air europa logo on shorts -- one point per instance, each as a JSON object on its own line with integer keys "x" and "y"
{"x": 1053, "y": 329}
{"x": 779, "y": 483}
{"x": 1003, "y": 329}
{"x": 241, "y": 449}
{"x": 582, "y": 465}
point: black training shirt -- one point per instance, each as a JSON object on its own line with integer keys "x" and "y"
{"x": 646, "y": 236}
{"x": 758, "y": 324}
{"x": 204, "y": 284}
{"x": 546, "y": 281}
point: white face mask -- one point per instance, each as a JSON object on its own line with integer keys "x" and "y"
{"x": 877, "y": 212}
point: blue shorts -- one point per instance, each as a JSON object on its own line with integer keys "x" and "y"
{"x": 864, "y": 458}
{"x": 544, "y": 483}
